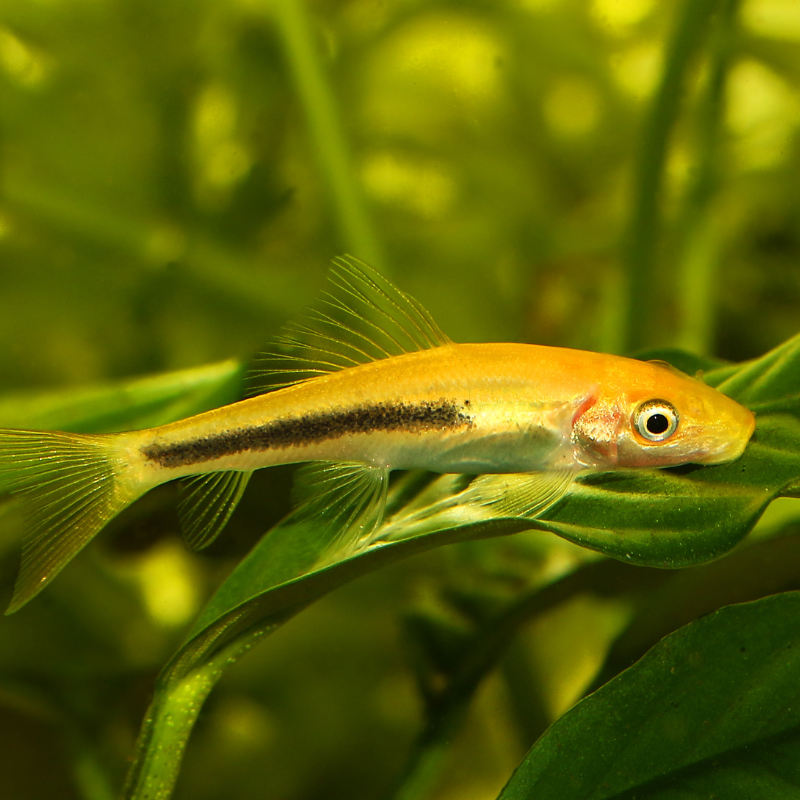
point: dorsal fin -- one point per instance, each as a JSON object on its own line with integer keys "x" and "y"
{"x": 669, "y": 367}
{"x": 362, "y": 317}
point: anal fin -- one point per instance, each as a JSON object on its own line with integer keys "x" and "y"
{"x": 206, "y": 504}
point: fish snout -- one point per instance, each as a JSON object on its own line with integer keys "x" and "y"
{"x": 732, "y": 433}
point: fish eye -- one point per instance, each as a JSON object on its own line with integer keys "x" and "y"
{"x": 656, "y": 420}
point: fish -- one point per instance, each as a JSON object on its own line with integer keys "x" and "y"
{"x": 366, "y": 383}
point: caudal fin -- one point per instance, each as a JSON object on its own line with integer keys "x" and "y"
{"x": 69, "y": 484}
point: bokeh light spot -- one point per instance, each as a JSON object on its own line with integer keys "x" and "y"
{"x": 421, "y": 187}
{"x": 452, "y": 52}
{"x": 572, "y": 106}
{"x": 637, "y": 69}
{"x": 619, "y": 16}
{"x": 168, "y": 583}
{"x": 763, "y": 112}
{"x": 244, "y": 724}
{"x": 776, "y": 19}
{"x": 539, "y": 5}
{"x": 222, "y": 159}
{"x": 20, "y": 61}
{"x": 166, "y": 243}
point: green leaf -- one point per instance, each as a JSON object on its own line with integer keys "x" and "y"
{"x": 125, "y": 405}
{"x": 758, "y": 568}
{"x": 666, "y": 518}
{"x": 282, "y": 575}
{"x": 711, "y": 711}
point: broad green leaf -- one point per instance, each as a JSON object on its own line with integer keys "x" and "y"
{"x": 758, "y": 568}
{"x": 666, "y": 518}
{"x": 711, "y": 711}
{"x": 455, "y": 651}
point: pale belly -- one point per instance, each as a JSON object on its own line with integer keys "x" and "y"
{"x": 441, "y": 437}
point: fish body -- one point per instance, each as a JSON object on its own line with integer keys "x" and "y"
{"x": 470, "y": 408}
{"x": 370, "y": 385}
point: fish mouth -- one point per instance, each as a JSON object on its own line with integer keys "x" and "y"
{"x": 736, "y": 444}
{"x": 729, "y": 453}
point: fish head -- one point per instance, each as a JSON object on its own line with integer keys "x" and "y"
{"x": 653, "y": 415}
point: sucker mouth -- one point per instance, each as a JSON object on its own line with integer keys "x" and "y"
{"x": 728, "y": 453}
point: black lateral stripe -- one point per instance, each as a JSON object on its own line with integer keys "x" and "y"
{"x": 311, "y": 429}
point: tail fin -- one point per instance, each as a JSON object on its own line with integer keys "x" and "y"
{"x": 70, "y": 489}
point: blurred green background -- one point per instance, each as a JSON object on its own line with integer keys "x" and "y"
{"x": 174, "y": 179}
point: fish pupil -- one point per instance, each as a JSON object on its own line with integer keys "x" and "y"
{"x": 657, "y": 424}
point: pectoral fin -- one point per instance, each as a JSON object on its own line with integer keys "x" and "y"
{"x": 524, "y": 494}
{"x": 344, "y": 502}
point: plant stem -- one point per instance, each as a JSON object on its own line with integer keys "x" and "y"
{"x": 431, "y": 751}
{"x": 91, "y": 778}
{"x": 701, "y": 225}
{"x": 206, "y": 261}
{"x": 326, "y": 130}
{"x": 169, "y": 722}
{"x": 447, "y": 709}
{"x": 641, "y": 274}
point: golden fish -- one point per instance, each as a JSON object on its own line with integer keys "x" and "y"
{"x": 368, "y": 383}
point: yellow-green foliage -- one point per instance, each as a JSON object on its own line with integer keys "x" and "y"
{"x": 175, "y": 176}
